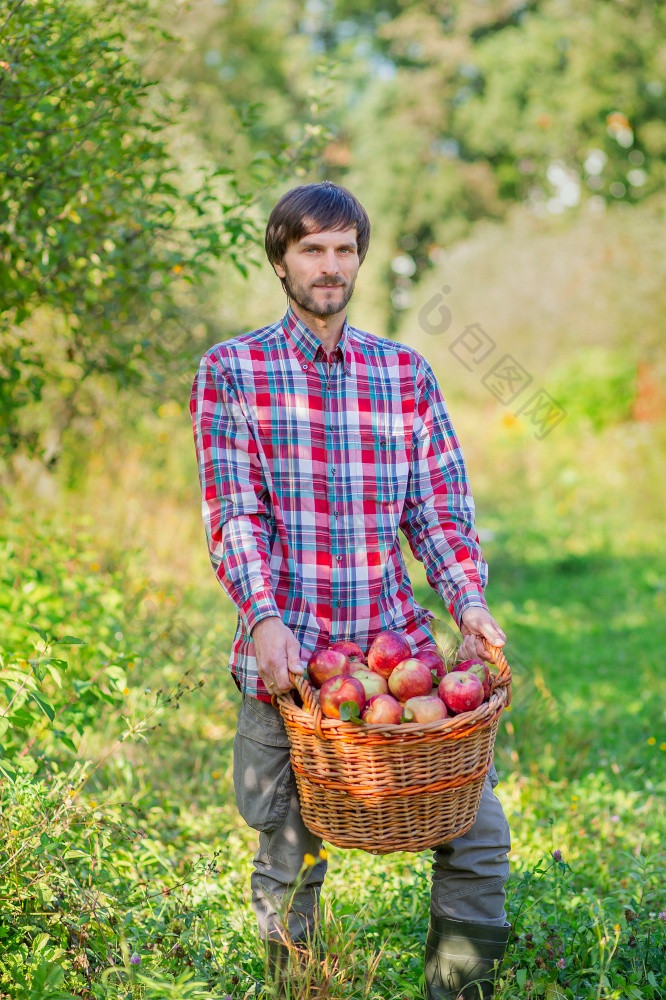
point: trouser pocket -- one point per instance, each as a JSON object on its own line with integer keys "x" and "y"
{"x": 263, "y": 779}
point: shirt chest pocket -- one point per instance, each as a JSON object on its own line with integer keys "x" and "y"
{"x": 378, "y": 465}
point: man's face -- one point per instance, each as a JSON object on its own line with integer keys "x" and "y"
{"x": 319, "y": 271}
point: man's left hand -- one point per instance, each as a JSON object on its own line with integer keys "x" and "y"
{"x": 477, "y": 622}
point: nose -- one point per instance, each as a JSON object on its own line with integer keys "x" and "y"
{"x": 329, "y": 262}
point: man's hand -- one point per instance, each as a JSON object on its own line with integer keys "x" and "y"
{"x": 277, "y": 652}
{"x": 478, "y": 622}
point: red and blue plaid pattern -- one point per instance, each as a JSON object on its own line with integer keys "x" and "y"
{"x": 309, "y": 466}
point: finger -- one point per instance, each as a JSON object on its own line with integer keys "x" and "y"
{"x": 493, "y": 633}
{"x": 481, "y": 651}
{"x": 467, "y": 649}
{"x": 294, "y": 662}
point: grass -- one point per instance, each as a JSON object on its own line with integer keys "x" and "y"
{"x": 130, "y": 843}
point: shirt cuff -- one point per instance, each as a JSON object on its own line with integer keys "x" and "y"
{"x": 257, "y": 607}
{"x": 470, "y": 597}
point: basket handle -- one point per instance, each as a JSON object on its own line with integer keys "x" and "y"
{"x": 304, "y": 688}
{"x": 503, "y": 676}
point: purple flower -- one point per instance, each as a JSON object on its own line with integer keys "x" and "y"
{"x": 561, "y": 963}
{"x": 135, "y": 959}
{"x": 662, "y": 915}
{"x": 557, "y": 854}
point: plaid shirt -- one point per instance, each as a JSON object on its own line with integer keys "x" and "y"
{"x": 309, "y": 465}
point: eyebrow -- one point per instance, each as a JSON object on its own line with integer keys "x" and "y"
{"x": 305, "y": 242}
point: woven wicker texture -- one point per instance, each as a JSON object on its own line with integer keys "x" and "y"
{"x": 392, "y": 788}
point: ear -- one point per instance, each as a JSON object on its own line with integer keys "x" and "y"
{"x": 280, "y": 271}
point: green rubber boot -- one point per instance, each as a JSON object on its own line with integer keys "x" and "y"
{"x": 462, "y": 959}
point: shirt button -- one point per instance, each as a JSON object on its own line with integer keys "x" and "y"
{"x": 338, "y": 604}
{"x": 332, "y": 472}
{"x": 336, "y": 513}
{"x": 304, "y": 367}
{"x": 339, "y": 558}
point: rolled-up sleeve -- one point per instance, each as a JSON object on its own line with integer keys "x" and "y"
{"x": 438, "y": 514}
{"x": 235, "y": 499}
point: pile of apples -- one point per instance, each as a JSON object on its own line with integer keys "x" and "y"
{"x": 391, "y": 685}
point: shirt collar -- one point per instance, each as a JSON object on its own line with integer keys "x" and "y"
{"x": 308, "y": 347}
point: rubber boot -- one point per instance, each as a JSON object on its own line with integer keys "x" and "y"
{"x": 463, "y": 959}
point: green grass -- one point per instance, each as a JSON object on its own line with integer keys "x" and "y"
{"x": 141, "y": 851}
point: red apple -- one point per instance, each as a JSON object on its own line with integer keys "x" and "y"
{"x": 409, "y": 679}
{"x": 353, "y": 652}
{"x": 424, "y": 708}
{"x": 382, "y": 709}
{"x": 387, "y": 651}
{"x": 432, "y": 660}
{"x": 325, "y": 664}
{"x": 337, "y": 690}
{"x": 372, "y": 683}
{"x": 460, "y": 691}
{"x": 480, "y": 670}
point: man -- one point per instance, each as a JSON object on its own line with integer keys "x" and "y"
{"x": 316, "y": 444}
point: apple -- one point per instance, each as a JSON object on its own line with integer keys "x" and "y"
{"x": 432, "y": 660}
{"x": 424, "y": 708}
{"x": 409, "y": 679}
{"x": 353, "y": 652}
{"x": 481, "y": 670}
{"x": 372, "y": 683}
{"x": 337, "y": 690}
{"x": 460, "y": 691}
{"x": 325, "y": 664}
{"x": 382, "y": 709}
{"x": 386, "y": 651}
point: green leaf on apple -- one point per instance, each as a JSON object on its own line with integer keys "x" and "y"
{"x": 349, "y": 711}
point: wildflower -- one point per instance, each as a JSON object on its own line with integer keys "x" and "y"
{"x": 615, "y": 819}
{"x": 135, "y": 959}
{"x": 126, "y": 691}
{"x": 323, "y": 854}
{"x": 561, "y": 963}
{"x": 557, "y": 854}
{"x": 308, "y": 860}
{"x": 651, "y": 741}
{"x": 662, "y": 915}
{"x": 215, "y": 775}
{"x": 662, "y": 746}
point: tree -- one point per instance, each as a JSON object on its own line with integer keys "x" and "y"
{"x": 99, "y": 228}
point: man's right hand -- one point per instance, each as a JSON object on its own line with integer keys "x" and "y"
{"x": 277, "y": 651}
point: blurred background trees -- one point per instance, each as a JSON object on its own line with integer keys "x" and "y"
{"x": 143, "y": 143}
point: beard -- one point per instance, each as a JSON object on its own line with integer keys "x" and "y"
{"x": 337, "y": 296}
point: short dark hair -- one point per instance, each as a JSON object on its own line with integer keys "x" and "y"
{"x": 314, "y": 208}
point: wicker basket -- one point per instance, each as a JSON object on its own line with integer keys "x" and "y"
{"x": 404, "y": 787}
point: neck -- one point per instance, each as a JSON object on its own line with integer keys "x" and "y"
{"x": 327, "y": 328}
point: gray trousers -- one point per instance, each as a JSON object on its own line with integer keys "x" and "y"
{"x": 468, "y": 873}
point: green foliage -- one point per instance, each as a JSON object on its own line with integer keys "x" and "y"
{"x": 101, "y": 229}
{"x": 597, "y": 389}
